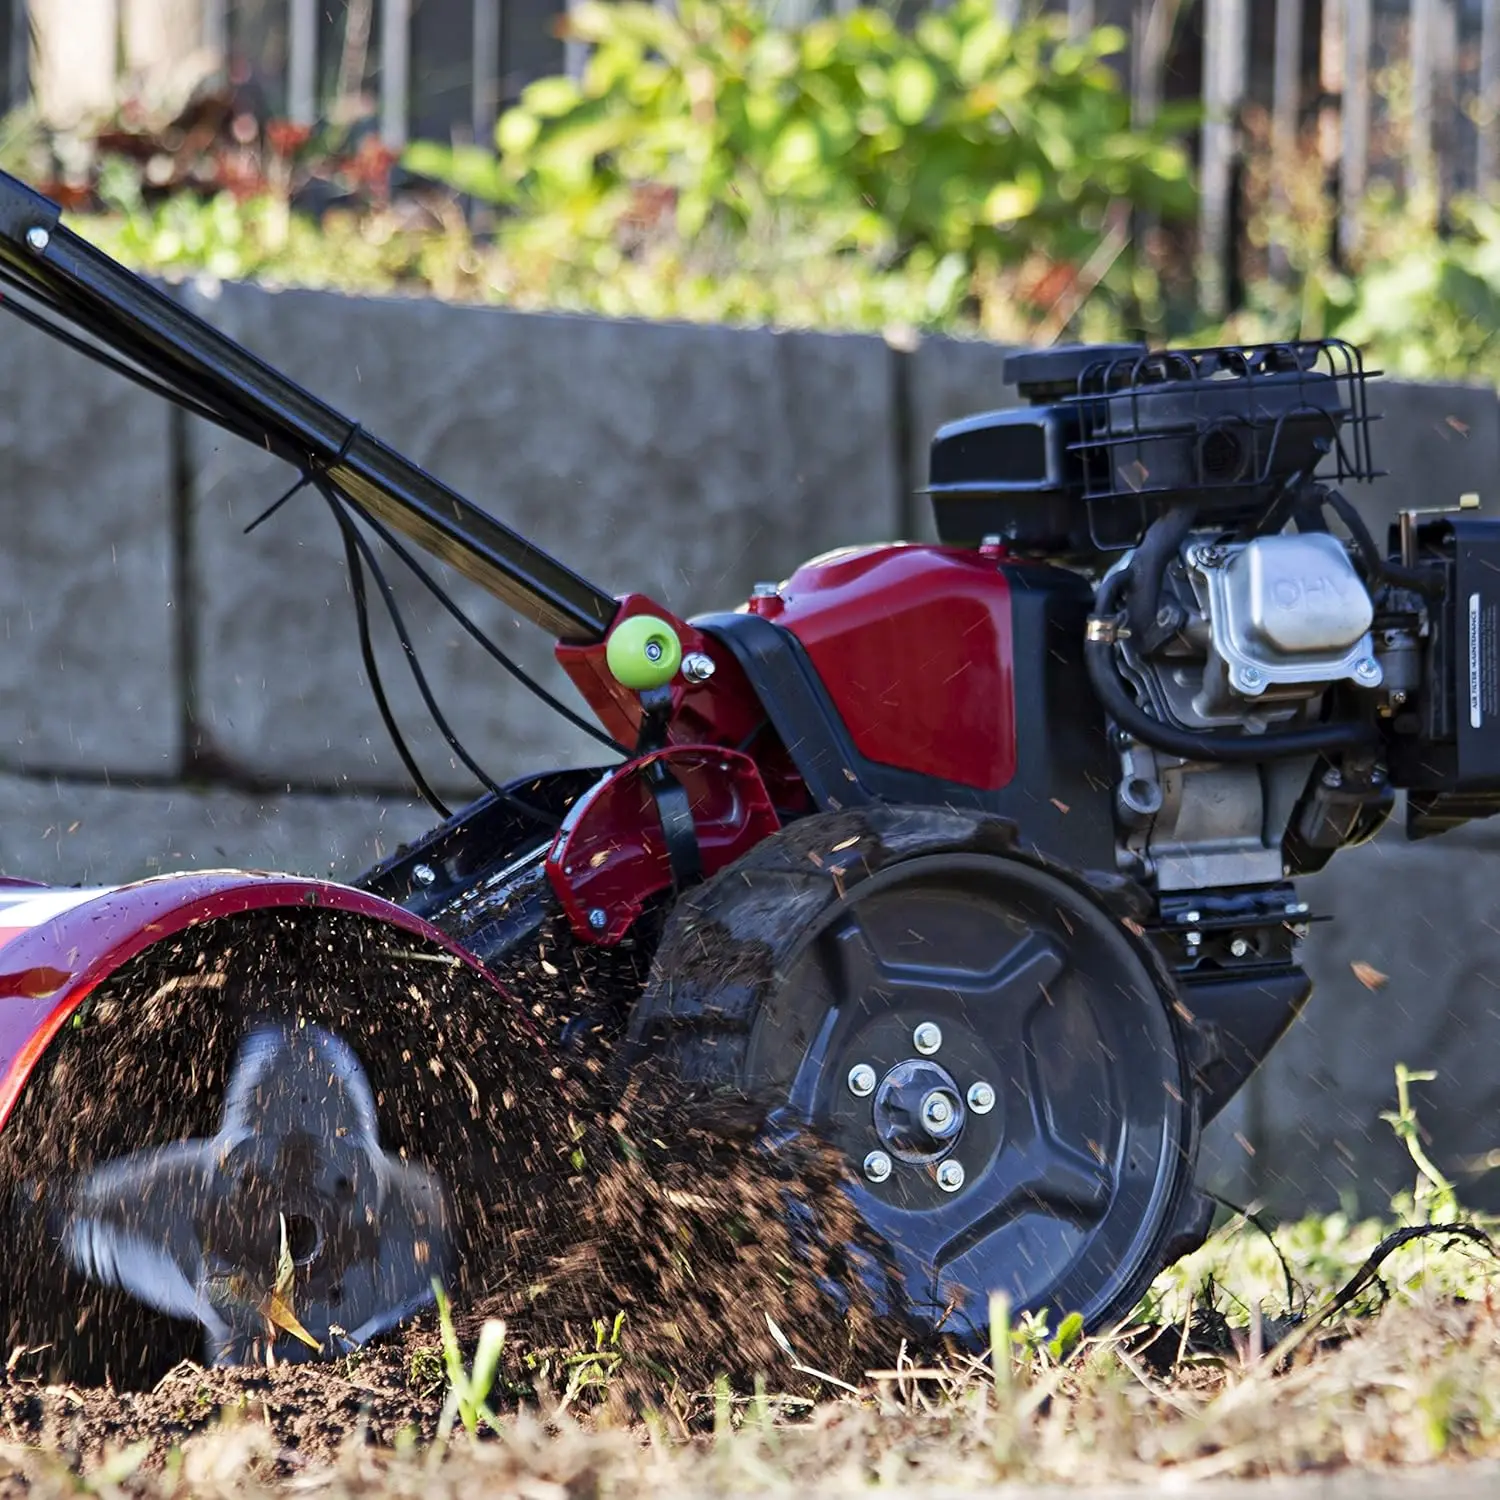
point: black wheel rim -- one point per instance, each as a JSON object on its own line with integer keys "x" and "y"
{"x": 1061, "y": 1190}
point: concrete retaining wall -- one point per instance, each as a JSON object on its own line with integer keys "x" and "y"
{"x": 174, "y": 693}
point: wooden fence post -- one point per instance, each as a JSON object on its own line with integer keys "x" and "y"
{"x": 1488, "y": 111}
{"x": 395, "y": 71}
{"x": 73, "y": 73}
{"x": 159, "y": 36}
{"x": 302, "y": 62}
{"x": 1225, "y": 42}
{"x": 1286, "y": 101}
{"x": 486, "y": 76}
{"x": 1434, "y": 59}
{"x": 18, "y": 64}
{"x": 215, "y": 29}
{"x": 1355, "y": 133}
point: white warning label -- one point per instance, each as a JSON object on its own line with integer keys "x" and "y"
{"x": 1484, "y": 660}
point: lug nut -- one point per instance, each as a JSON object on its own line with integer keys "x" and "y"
{"x": 877, "y": 1166}
{"x": 861, "y": 1080}
{"x": 981, "y": 1098}
{"x": 950, "y": 1176}
{"x": 927, "y": 1038}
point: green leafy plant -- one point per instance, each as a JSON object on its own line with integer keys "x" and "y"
{"x": 960, "y": 149}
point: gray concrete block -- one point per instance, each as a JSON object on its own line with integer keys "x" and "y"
{"x": 71, "y": 833}
{"x": 89, "y": 675}
{"x": 684, "y": 462}
{"x": 1227, "y": 1153}
{"x": 1427, "y": 917}
{"x": 948, "y": 379}
{"x": 1436, "y": 442}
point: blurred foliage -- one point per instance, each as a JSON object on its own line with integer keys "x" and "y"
{"x": 1421, "y": 296}
{"x": 712, "y": 165}
{"x": 975, "y": 163}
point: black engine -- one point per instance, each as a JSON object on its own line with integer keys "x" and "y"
{"x": 1272, "y": 675}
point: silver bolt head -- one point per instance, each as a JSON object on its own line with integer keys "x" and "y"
{"x": 424, "y": 874}
{"x": 697, "y": 666}
{"x": 38, "y": 238}
{"x": 950, "y": 1175}
{"x": 1367, "y": 669}
{"x": 877, "y": 1166}
{"x": 861, "y": 1080}
{"x": 1239, "y": 947}
{"x": 981, "y": 1098}
{"x": 937, "y": 1110}
{"x": 598, "y": 918}
{"x": 1249, "y": 677}
{"x": 927, "y": 1038}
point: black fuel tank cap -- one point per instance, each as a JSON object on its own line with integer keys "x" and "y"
{"x": 1047, "y": 373}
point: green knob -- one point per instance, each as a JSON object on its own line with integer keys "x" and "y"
{"x": 643, "y": 653}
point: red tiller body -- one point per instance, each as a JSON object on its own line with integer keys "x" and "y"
{"x": 913, "y": 643}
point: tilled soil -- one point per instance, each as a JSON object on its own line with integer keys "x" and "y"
{"x": 574, "y": 1201}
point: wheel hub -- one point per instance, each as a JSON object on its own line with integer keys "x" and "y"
{"x": 918, "y": 1111}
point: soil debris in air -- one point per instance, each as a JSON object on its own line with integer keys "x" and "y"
{"x": 582, "y": 1209}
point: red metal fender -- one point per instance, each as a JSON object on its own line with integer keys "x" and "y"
{"x": 57, "y": 944}
{"x": 610, "y": 856}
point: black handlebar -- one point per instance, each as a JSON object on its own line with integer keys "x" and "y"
{"x": 169, "y": 349}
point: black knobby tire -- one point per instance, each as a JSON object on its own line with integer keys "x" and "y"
{"x": 829, "y": 944}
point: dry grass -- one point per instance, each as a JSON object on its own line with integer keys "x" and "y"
{"x": 1316, "y": 1347}
{"x": 1211, "y": 1396}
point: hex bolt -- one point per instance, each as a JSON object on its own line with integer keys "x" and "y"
{"x": 1239, "y": 947}
{"x": 861, "y": 1080}
{"x": 424, "y": 874}
{"x": 937, "y": 1110}
{"x": 927, "y": 1038}
{"x": 1250, "y": 678}
{"x": 1367, "y": 669}
{"x": 950, "y": 1175}
{"x": 697, "y": 667}
{"x": 598, "y": 918}
{"x": 38, "y": 238}
{"x": 981, "y": 1098}
{"x": 877, "y": 1166}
